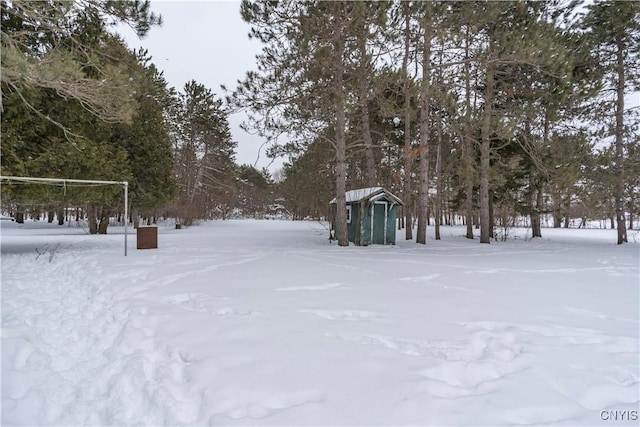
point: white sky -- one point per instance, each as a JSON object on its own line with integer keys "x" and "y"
{"x": 206, "y": 41}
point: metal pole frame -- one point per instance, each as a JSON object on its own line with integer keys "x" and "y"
{"x": 126, "y": 213}
{"x": 64, "y": 181}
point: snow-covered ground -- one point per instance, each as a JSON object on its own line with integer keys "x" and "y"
{"x": 266, "y": 323}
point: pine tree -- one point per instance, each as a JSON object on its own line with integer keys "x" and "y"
{"x": 427, "y": 27}
{"x": 146, "y": 139}
{"x": 40, "y": 48}
{"x": 204, "y": 150}
{"x": 306, "y": 77}
{"x": 254, "y": 189}
{"x": 309, "y": 180}
{"x": 613, "y": 30}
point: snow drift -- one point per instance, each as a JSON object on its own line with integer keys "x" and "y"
{"x": 266, "y": 323}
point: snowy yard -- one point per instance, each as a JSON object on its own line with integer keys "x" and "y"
{"x": 265, "y": 323}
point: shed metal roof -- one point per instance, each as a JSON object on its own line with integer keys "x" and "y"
{"x": 369, "y": 194}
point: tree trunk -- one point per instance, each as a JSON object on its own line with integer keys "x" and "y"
{"x": 468, "y": 142}
{"x": 20, "y": 217}
{"x": 195, "y": 176}
{"x": 91, "y": 218}
{"x": 50, "y": 216}
{"x": 371, "y": 164}
{"x": 536, "y": 205}
{"x": 439, "y": 179}
{"x": 61, "y": 216}
{"x": 536, "y": 180}
{"x": 341, "y": 150}
{"x": 135, "y": 218}
{"x": 423, "y": 202}
{"x": 104, "y": 221}
{"x": 366, "y": 133}
{"x": 557, "y": 212}
{"x": 631, "y": 206}
{"x": 407, "y": 154}
{"x": 408, "y": 231}
{"x": 364, "y": 112}
{"x": 438, "y": 207}
{"x": 485, "y": 227}
{"x": 619, "y": 191}
{"x": 492, "y": 222}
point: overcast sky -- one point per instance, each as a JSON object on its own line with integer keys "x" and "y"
{"x": 205, "y": 41}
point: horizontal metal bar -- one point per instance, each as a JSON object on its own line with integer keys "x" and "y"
{"x": 62, "y": 180}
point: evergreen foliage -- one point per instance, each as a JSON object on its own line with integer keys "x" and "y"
{"x": 503, "y": 92}
{"x": 203, "y": 156}
{"x": 485, "y": 112}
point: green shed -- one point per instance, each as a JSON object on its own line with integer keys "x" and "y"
{"x": 371, "y": 216}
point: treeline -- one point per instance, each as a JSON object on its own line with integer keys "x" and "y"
{"x": 489, "y": 111}
{"x": 78, "y": 104}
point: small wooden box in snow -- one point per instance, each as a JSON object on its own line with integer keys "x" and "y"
{"x": 147, "y": 238}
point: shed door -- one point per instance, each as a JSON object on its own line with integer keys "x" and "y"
{"x": 378, "y": 223}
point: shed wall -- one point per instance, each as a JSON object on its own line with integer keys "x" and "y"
{"x": 365, "y": 226}
{"x": 352, "y": 227}
{"x": 391, "y": 225}
{"x": 359, "y": 230}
